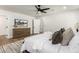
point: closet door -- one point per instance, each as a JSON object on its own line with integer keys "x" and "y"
{"x": 2, "y": 25}
{"x": 36, "y": 26}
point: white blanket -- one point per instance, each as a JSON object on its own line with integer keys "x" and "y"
{"x": 40, "y": 43}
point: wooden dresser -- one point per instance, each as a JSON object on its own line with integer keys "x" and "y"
{"x": 21, "y": 32}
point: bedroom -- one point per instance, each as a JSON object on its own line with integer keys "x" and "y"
{"x": 19, "y": 21}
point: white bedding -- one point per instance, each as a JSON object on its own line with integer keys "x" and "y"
{"x": 73, "y": 46}
{"x": 41, "y": 44}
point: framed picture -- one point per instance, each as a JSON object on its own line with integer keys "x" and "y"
{"x": 20, "y": 23}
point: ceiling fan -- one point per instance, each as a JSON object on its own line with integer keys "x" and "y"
{"x": 39, "y": 9}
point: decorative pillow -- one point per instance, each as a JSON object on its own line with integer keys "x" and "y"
{"x": 54, "y": 38}
{"x": 67, "y": 36}
{"x": 57, "y": 36}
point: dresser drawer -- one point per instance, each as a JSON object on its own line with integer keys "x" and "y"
{"x": 21, "y": 32}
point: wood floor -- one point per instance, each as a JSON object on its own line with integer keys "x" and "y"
{"x": 4, "y": 40}
{"x": 14, "y": 47}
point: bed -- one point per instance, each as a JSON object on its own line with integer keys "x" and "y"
{"x": 41, "y": 44}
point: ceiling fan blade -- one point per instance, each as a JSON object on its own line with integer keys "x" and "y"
{"x": 36, "y": 7}
{"x": 46, "y": 9}
{"x": 43, "y": 11}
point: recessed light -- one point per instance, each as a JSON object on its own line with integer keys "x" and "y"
{"x": 65, "y": 7}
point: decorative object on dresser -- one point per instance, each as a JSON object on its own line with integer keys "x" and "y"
{"x": 21, "y": 32}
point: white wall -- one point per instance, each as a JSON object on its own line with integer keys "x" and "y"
{"x": 9, "y": 17}
{"x": 2, "y": 23}
{"x": 77, "y": 15}
{"x": 56, "y": 21}
{"x": 52, "y": 22}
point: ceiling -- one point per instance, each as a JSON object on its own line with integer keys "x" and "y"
{"x": 31, "y": 10}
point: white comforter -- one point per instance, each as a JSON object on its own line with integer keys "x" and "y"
{"x": 41, "y": 44}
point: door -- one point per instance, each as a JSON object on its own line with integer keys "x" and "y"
{"x": 37, "y": 26}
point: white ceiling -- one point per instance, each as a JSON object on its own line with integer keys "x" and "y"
{"x": 31, "y": 10}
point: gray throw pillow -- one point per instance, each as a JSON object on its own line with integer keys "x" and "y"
{"x": 67, "y": 36}
{"x": 58, "y": 36}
